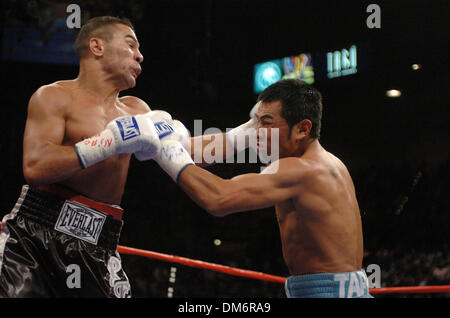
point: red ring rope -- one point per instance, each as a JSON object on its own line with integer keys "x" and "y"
{"x": 262, "y": 276}
{"x": 194, "y": 263}
{"x": 411, "y": 289}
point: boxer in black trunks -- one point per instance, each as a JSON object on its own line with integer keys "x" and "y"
{"x": 78, "y": 140}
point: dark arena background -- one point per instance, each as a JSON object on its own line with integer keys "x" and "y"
{"x": 201, "y": 61}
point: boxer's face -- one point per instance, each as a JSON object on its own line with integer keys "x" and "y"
{"x": 122, "y": 56}
{"x": 269, "y": 117}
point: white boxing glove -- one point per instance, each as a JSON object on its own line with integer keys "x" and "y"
{"x": 126, "y": 134}
{"x": 173, "y": 158}
{"x": 167, "y": 129}
{"x": 243, "y": 136}
{"x": 181, "y": 134}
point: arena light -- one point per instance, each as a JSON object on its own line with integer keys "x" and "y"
{"x": 217, "y": 242}
{"x": 416, "y": 67}
{"x": 393, "y": 93}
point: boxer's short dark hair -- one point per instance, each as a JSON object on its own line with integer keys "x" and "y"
{"x": 298, "y": 101}
{"x": 100, "y": 27}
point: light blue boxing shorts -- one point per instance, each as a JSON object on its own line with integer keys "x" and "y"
{"x": 328, "y": 285}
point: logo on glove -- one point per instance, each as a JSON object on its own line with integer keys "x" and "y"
{"x": 128, "y": 127}
{"x": 163, "y": 129}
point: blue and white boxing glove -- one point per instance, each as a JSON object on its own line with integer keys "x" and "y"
{"x": 167, "y": 129}
{"x": 175, "y": 140}
{"x": 173, "y": 158}
{"x": 126, "y": 134}
{"x": 244, "y": 136}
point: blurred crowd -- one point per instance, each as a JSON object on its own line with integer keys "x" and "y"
{"x": 412, "y": 268}
{"x": 49, "y": 14}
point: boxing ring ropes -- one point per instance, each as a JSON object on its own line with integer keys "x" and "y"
{"x": 263, "y": 276}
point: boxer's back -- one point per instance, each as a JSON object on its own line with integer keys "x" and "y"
{"x": 321, "y": 227}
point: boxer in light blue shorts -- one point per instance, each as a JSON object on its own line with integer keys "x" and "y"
{"x": 328, "y": 285}
{"x": 312, "y": 190}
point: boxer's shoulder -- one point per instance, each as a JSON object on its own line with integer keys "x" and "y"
{"x": 136, "y": 105}
{"x": 56, "y": 96}
{"x": 59, "y": 89}
{"x": 292, "y": 165}
{"x": 296, "y": 170}
{"x": 288, "y": 171}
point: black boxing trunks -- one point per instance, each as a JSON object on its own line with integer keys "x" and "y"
{"x": 55, "y": 243}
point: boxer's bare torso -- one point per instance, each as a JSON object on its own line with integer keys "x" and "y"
{"x": 315, "y": 203}
{"x": 320, "y": 227}
{"x": 62, "y": 114}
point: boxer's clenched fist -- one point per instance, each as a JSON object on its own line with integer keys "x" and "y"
{"x": 175, "y": 137}
{"x": 167, "y": 129}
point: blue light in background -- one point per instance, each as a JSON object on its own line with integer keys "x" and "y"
{"x": 32, "y": 45}
{"x": 266, "y": 74}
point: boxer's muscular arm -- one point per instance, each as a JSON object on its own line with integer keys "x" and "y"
{"x": 214, "y": 145}
{"x": 223, "y": 145}
{"x": 246, "y": 192}
{"x": 45, "y": 159}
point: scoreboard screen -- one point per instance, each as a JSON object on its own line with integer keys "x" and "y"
{"x": 267, "y": 73}
{"x": 312, "y": 67}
